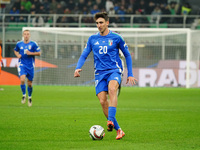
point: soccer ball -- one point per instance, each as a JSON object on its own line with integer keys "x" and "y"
{"x": 97, "y": 132}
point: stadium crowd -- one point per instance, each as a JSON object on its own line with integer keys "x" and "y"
{"x": 119, "y": 7}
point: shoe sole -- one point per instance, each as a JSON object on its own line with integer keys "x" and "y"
{"x": 110, "y": 127}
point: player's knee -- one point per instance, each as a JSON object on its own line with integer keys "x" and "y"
{"x": 103, "y": 102}
{"x": 112, "y": 91}
{"x": 22, "y": 81}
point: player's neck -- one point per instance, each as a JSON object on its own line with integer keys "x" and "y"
{"x": 105, "y": 32}
{"x": 26, "y": 41}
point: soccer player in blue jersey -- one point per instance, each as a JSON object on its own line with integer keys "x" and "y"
{"x": 26, "y": 50}
{"x": 108, "y": 67}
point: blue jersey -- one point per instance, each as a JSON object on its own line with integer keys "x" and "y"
{"x": 106, "y": 53}
{"x": 27, "y": 60}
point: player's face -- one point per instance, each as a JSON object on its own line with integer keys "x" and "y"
{"x": 26, "y": 36}
{"x": 102, "y": 25}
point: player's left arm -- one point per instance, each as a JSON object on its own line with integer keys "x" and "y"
{"x": 124, "y": 48}
{"x": 33, "y": 53}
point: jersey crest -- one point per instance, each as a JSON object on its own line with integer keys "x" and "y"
{"x": 110, "y": 42}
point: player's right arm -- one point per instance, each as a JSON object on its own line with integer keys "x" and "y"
{"x": 17, "y": 54}
{"x": 83, "y": 58}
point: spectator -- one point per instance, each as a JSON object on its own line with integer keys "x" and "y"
{"x": 81, "y": 4}
{"x": 71, "y": 5}
{"x": 111, "y": 11}
{"x": 140, "y": 19}
{"x": 14, "y": 11}
{"x": 89, "y": 5}
{"x": 186, "y": 9}
{"x": 2, "y": 8}
{"x": 17, "y": 4}
{"x": 33, "y": 8}
{"x": 156, "y": 14}
{"x": 22, "y": 19}
{"x": 53, "y": 6}
{"x": 36, "y": 3}
{"x": 121, "y": 11}
{"x": 95, "y": 9}
{"x": 45, "y": 3}
{"x": 59, "y": 9}
{"x": 116, "y": 6}
{"x": 141, "y": 7}
{"x": 173, "y": 11}
{"x": 85, "y": 10}
{"x": 109, "y": 4}
{"x": 165, "y": 11}
{"x": 100, "y": 4}
{"x": 23, "y": 10}
{"x": 68, "y": 11}
{"x": 129, "y": 10}
{"x": 76, "y": 10}
{"x": 26, "y": 4}
{"x": 150, "y": 7}
{"x": 38, "y": 21}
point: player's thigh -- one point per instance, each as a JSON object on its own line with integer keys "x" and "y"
{"x": 101, "y": 86}
{"x": 114, "y": 80}
{"x": 21, "y": 70}
{"x": 102, "y": 96}
{"x": 30, "y": 74}
{"x": 22, "y": 78}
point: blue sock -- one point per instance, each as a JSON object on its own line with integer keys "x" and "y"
{"x": 111, "y": 116}
{"x": 116, "y": 125}
{"x": 111, "y": 113}
{"x": 30, "y": 90}
{"x": 23, "y": 88}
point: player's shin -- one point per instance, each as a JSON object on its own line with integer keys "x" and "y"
{"x": 30, "y": 90}
{"x": 23, "y": 89}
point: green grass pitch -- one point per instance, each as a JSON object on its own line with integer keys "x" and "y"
{"x": 61, "y": 116}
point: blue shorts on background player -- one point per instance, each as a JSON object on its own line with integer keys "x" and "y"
{"x": 108, "y": 66}
{"x": 26, "y": 51}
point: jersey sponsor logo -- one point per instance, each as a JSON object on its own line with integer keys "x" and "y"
{"x": 110, "y": 42}
{"x": 21, "y": 47}
{"x": 97, "y": 43}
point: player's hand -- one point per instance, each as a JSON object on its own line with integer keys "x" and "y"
{"x": 2, "y": 63}
{"x": 19, "y": 56}
{"x": 131, "y": 80}
{"x": 28, "y": 52}
{"x": 76, "y": 73}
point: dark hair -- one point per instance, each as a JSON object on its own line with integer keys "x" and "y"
{"x": 101, "y": 15}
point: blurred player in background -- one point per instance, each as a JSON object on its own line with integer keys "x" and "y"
{"x": 26, "y": 50}
{"x": 108, "y": 67}
{"x": 1, "y": 63}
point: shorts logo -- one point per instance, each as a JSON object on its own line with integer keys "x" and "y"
{"x": 96, "y": 82}
{"x": 116, "y": 78}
